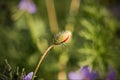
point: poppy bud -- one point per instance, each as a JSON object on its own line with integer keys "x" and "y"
{"x": 62, "y": 37}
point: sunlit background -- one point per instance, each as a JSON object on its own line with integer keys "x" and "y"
{"x": 28, "y": 27}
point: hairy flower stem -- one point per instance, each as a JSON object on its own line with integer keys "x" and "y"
{"x": 40, "y": 61}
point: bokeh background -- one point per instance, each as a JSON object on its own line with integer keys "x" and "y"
{"x": 24, "y": 36}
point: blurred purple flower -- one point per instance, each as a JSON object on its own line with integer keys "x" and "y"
{"x": 28, "y": 76}
{"x": 84, "y": 74}
{"x": 111, "y": 75}
{"x": 27, "y": 5}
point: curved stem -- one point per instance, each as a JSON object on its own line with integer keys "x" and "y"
{"x": 40, "y": 61}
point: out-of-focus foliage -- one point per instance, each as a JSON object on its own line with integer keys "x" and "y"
{"x": 24, "y": 37}
{"x": 96, "y": 37}
{"x": 98, "y": 30}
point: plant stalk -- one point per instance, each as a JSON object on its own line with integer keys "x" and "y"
{"x": 41, "y": 59}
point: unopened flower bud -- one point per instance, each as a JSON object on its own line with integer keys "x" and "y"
{"x": 62, "y": 37}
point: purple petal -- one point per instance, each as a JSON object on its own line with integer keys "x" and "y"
{"x": 28, "y": 76}
{"x": 111, "y": 75}
{"x": 27, "y": 5}
{"x": 74, "y": 76}
{"x": 22, "y": 5}
{"x": 93, "y": 76}
{"x": 84, "y": 72}
{"x": 31, "y": 7}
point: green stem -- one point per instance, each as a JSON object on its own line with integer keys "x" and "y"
{"x": 40, "y": 61}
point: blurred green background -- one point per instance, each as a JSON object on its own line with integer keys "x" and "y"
{"x": 95, "y": 36}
